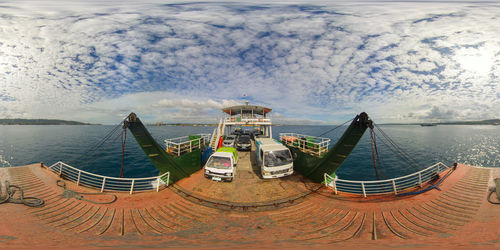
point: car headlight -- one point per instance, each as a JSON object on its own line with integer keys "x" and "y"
{"x": 228, "y": 174}
{"x": 266, "y": 172}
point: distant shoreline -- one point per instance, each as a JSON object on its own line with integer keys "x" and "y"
{"x": 40, "y": 122}
{"x": 494, "y": 122}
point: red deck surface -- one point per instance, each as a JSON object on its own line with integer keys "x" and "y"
{"x": 456, "y": 215}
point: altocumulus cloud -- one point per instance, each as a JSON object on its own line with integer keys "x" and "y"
{"x": 314, "y": 61}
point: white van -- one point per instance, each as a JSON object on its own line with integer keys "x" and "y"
{"x": 222, "y": 164}
{"x": 274, "y": 159}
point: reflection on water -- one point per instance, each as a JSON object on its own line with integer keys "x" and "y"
{"x": 3, "y": 161}
{"x": 474, "y": 145}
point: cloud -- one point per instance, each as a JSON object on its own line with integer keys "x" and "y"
{"x": 438, "y": 113}
{"x": 314, "y": 61}
{"x": 194, "y": 104}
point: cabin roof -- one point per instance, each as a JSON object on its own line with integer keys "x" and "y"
{"x": 246, "y": 109}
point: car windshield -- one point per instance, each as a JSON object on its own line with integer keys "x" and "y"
{"x": 244, "y": 140}
{"x": 229, "y": 138}
{"x": 219, "y": 162}
{"x": 277, "y": 158}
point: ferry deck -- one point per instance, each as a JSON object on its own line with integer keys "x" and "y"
{"x": 250, "y": 213}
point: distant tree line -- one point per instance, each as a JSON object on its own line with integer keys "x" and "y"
{"x": 483, "y": 122}
{"x": 39, "y": 122}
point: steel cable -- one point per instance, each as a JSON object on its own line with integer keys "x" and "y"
{"x": 11, "y": 191}
{"x": 101, "y": 142}
{"x": 335, "y": 128}
{"x": 67, "y": 193}
{"x": 397, "y": 149}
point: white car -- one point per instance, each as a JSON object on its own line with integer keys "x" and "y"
{"x": 229, "y": 141}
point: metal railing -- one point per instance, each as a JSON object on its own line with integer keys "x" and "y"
{"x": 212, "y": 139}
{"x": 106, "y": 183}
{"x": 181, "y": 145}
{"x": 248, "y": 120}
{"x": 389, "y": 186}
{"x": 308, "y": 144}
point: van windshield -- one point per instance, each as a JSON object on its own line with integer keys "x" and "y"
{"x": 219, "y": 162}
{"x": 277, "y": 158}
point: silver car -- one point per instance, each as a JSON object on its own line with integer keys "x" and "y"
{"x": 229, "y": 141}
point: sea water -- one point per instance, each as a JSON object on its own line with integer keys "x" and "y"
{"x": 477, "y": 145}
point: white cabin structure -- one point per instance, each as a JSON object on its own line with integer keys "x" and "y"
{"x": 246, "y": 115}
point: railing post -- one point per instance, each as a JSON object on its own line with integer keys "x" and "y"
{"x": 178, "y": 149}
{"x": 60, "y": 168}
{"x": 394, "y": 187}
{"x": 103, "y": 183}
{"x": 168, "y": 178}
{"x": 158, "y": 186}
{"x": 420, "y": 179}
{"x": 363, "y": 187}
{"x": 335, "y": 185}
{"x": 190, "y": 146}
{"x": 78, "y": 180}
{"x": 132, "y": 187}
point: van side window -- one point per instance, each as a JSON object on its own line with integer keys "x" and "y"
{"x": 261, "y": 154}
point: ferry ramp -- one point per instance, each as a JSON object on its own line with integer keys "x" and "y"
{"x": 456, "y": 215}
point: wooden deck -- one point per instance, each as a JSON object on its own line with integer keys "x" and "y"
{"x": 456, "y": 215}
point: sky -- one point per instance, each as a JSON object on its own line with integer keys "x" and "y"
{"x": 314, "y": 62}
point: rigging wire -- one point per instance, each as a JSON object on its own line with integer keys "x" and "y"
{"x": 92, "y": 152}
{"x": 103, "y": 150}
{"x": 397, "y": 154}
{"x": 335, "y": 127}
{"x": 378, "y": 156}
{"x": 100, "y": 143}
{"x": 372, "y": 141}
{"x": 397, "y": 149}
{"x": 124, "y": 139}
